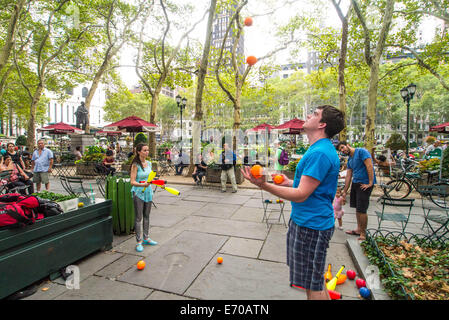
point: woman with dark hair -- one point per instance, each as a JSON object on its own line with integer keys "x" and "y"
{"x": 18, "y": 177}
{"x": 140, "y": 169}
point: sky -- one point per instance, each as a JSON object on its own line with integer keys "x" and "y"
{"x": 259, "y": 38}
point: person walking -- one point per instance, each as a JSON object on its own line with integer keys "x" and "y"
{"x": 41, "y": 165}
{"x": 228, "y": 161}
{"x": 311, "y": 193}
{"x": 360, "y": 172}
{"x": 140, "y": 169}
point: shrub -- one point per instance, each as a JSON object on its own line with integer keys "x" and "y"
{"x": 396, "y": 142}
{"x": 430, "y": 139}
{"x": 140, "y": 138}
{"x": 21, "y": 141}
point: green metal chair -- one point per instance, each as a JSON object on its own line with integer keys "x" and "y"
{"x": 436, "y": 209}
{"x": 394, "y": 215}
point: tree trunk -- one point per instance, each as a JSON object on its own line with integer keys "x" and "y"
{"x": 154, "y": 102}
{"x": 342, "y": 65}
{"x": 371, "y": 108}
{"x": 32, "y": 121}
{"x": 10, "y": 35}
{"x": 374, "y": 76}
{"x": 200, "y": 86}
{"x": 93, "y": 89}
{"x": 237, "y": 119}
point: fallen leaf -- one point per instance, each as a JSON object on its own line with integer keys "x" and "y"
{"x": 407, "y": 272}
{"x": 407, "y": 246}
{"x": 402, "y": 256}
{"x": 445, "y": 287}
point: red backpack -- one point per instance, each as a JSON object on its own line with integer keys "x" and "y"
{"x": 16, "y": 210}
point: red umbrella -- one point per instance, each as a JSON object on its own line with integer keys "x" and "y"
{"x": 293, "y": 126}
{"x": 442, "y": 128}
{"x": 261, "y": 127}
{"x": 131, "y": 124}
{"x": 60, "y": 128}
{"x": 108, "y": 133}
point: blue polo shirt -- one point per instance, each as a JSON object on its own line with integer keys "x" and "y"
{"x": 359, "y": 172}
{"x": 42, "y": 162}
{"x": 322, "y": 163}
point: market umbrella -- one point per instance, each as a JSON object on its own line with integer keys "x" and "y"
{"x": 262, "y": 127}
{"x": 131, "y": 124}
{"x": 441, "y": 128}
{"x": 108, "y": 133}
{"x": 60, "y": 128}
{"x": 293, "y": 126}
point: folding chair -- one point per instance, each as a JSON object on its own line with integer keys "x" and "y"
{"x": 79, "y": 188}
{"x": 5, "y": 177}
{"x": 65, "y": 184}
{"x": 101, "y": 185}
{"x": 395, "y": 216}
{"x": 266, "y": 202}
{"x": 433, "y": 213}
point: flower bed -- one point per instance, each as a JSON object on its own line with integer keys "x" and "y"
{"x": 411, "y": 267}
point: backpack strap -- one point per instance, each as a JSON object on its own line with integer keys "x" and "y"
{"x": 19, "y": 218}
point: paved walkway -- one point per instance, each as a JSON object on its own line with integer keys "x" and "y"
{"x": 192, "y": 230}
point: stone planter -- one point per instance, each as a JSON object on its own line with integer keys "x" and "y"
{"x": 34, "y": 252}
{"x": 69, "y": 205}
{"x": 214, "y": 175}
{"x": 86, "y": 169}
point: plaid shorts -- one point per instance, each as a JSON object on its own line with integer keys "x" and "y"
{"x": 306, "y": 255}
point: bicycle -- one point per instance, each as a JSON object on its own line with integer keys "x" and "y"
{"x": 402, "y": 186}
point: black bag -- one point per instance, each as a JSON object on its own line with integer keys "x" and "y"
{"x": 48, "y": 208}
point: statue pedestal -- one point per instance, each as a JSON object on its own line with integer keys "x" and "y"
{"x": 82, "y": 140}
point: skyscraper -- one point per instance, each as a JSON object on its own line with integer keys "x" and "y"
{"x": 220, "y": 24}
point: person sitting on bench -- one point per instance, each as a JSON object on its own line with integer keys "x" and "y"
{"x": 18, "y": 177}
{"x": 182, "y": 162}
{"x": 108, "y": 162}
{"x": 200, "y": 170}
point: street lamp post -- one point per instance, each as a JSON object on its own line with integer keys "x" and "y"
{"x": 181, "y": 105}
{"x": 407, "y": 94}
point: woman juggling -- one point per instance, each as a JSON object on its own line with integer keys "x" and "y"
{"x": 142, "y": 196}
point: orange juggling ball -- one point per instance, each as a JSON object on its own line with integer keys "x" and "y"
{"x": 278, "y": 179}
{"x": 141, "y": 265}
{"x": 257, "y": 171}
{"x": 248, "y": 21}
{"x": 251, "y": 60}
{"x": 219, "y": 260}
